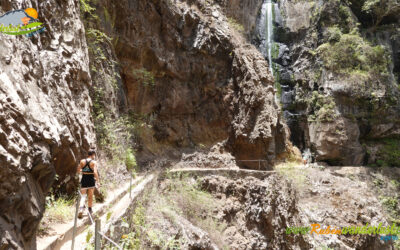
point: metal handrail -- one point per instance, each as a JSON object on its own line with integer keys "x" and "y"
{"x": 96, "y": 223}
{"x": 252, "y": 160}
{"x": 110, "y": 240}
{"x": 259, "y": 162}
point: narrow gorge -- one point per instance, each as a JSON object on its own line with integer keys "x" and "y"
{"x": 254, "y": 116}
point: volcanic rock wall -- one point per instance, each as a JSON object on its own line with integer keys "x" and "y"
{"x": 45, "y": 121}
{"x": 339, "y": 76}
{"x": 189, "y": 71}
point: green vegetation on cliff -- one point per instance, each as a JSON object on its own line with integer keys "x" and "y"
{"x": 352, "y": 54}
{"x": 389, "y": 153}
{"x": 114, "y": 130}
{"x": 379, "y": 9}
{"x": 321, "y": 107}
{"x": 144, "y": 76}
{"x": 235, "y": 24}
{"x": 178, "y": 202}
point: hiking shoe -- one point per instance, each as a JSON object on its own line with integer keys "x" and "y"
{"x": 80, "y": 214}
{"x": 90, "y": 211}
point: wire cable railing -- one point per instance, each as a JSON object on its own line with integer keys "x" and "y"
{"x": 96, "y": 222}
{"x": 259, "y": 162}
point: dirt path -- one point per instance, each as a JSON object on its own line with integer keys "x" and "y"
{"x": 64, "y": 231}
{"x": 116, "y": 209}
{"x": 233, "y": 173}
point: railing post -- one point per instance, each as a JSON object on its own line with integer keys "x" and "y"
{"x": 130, "y": 187}
{"x": 97, "y": 239}
{"x": 78, "y": 201}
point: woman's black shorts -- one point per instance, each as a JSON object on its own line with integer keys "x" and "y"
{"x": 88, "y": 181}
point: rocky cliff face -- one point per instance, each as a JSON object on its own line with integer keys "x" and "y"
{"x": 184, "y": 75}
{"x": 183, "y": 69}
{"x": 189, "y": 73}
{"x": 44, "y": 112}
{"x": 338, "y": 69}
{"x": 241, "y": 209}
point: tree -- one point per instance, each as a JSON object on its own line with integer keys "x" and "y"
{"x": 380, "y": 9}
{"x": 130, "y": 161}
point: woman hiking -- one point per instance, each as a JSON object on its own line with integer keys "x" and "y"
{"x": 90, "y": 175}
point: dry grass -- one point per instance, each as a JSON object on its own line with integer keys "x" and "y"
{"x": 164, "y": 208}
{"x": 58, "y": 210}
{"x": 293, "y": 171}
{"x": 184, "y": 197}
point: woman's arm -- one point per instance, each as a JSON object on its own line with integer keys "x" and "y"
{"x": 79, "y": 168}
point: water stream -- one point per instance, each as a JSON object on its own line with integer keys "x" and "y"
{"x": 265, "y": 30}
{"x": 285, "y": 97}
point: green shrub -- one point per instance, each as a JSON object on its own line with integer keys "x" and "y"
{"x": 145, "y": 76}
{"x": 113, "y": 134}
{"x": 333, "y": 34}
{"x": 130, "y": 241}
{"x": 133, "y": 239}
{"x": 353, "y": 54}
{"x": 86, "y": 7}
{"x": 58, "y": 210}
{"x": 96, "y": 36}
{"x": 390, "y": 203}
{"x": 293, "y": 172}
{"x": 389, "y": 154}
{"x": 321, "y": 108}
{"x": 379, "y": 9}
{"x": 275, "y": 50}
{"x": 235, "y": 24}
{"x": 130, "y": 160}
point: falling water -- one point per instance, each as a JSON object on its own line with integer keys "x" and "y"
{"x": 285, "y": 94}
{"x": 266, "y": 31}
{"x": 269, "y": 34}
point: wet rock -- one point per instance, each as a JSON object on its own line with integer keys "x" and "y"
{"x": 370, "y": 108}
{"x": 283, "y": 57}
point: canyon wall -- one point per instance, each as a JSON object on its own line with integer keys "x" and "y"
{"x": 182, "y": 69}
{"x": 192, "y": 79}
{"x": 338, "y": 68}
{"x": 45, "y": 120}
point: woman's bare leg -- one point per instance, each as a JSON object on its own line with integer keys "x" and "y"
{"x": 82, "y": 202}
{"x": 83, "y": 197}
{"x": 90, "y": 196}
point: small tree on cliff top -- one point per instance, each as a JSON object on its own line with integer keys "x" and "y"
{"x": 130, "y": 161}
{"x": 380, "y": 9}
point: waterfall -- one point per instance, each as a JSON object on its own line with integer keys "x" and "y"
{"x": 269, "y": 16}
{"x": 265, "y": 30}
{"x": 265, "y": 34}
{"x": 269, "y": 34}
